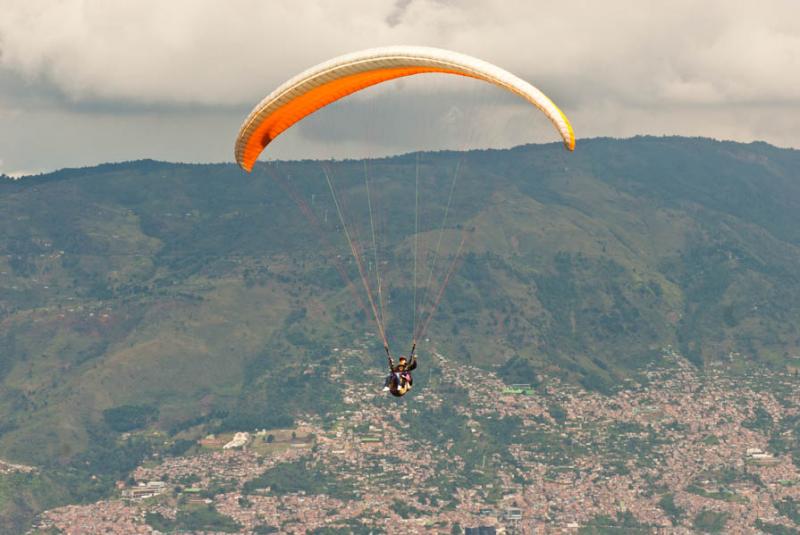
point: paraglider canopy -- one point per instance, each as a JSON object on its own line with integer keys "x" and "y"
{"x": 334, "y": 79}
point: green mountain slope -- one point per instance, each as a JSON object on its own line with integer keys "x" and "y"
{"x": 208, "y": 294}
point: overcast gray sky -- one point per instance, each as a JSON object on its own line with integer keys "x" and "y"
{"x": 90, "y": 81}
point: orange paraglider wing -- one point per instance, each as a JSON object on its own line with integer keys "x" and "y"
{"x": 332, "y": 80}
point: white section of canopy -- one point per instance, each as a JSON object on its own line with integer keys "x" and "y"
{"x": 396, "y": 57}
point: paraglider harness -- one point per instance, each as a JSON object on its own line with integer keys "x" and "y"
{"x": 399, "y": 380}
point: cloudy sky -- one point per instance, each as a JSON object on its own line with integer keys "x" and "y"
{"x": 90, "y": 81}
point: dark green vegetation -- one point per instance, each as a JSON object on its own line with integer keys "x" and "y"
{"x": 300, "y": 476}
{"x": 207, "y": 294}
{"x": 672, "y": 510}
{"x": 790, "y": 509}
{"x": 715, "y": 484}
{"x": 775, "y": 529}
{"x": 708, "y": 521}
{"x": 761, "y": 421}
{"x": 349, "y": 528}
{"x": 782, "y": 439}
{"x": 623, "y": 523}
{"x": 194, "y": 519}
{"x": 129, "y": 417}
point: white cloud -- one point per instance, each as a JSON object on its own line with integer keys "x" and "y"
{"x": 221, "y": 53}
{"x": 616, "y": 67}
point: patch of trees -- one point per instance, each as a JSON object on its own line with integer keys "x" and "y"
{"x": 518, "y": 370}
{"x": 557, "y": 412}
{"x": 710, "y": 521}
{"x": 761, "y": 420}
{"x": 129, "y": 417}
{"x": 179, "y": 447}
{"x": 671, "y": 509}
{"x": 215, "y": 414}
{"x": 195, "y": 519}
{"x": 301, "y": 476}
{"x": 774, "y": 529}
{"x": 789, "y": 508}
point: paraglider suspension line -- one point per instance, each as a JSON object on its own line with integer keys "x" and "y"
{"x": 453, "y": 266}
{"x": 416, "y": 250}
{"x": 358, "y": 259}
{"x": 315, "y": 224}
{"x": 441, "y": 234}
{"x": 374, "y": 246}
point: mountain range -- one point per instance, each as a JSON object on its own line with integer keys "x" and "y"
{"x": 174, "y": 295}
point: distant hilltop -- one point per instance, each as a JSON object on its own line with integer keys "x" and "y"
{"x": 152, "y": 164}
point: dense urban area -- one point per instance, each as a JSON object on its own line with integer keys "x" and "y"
{"x": 680, "y": 450}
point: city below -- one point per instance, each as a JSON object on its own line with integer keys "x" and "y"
{"x": 682, "y": 450}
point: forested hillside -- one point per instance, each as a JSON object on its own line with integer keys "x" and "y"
{"x": 172, "y": 295}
